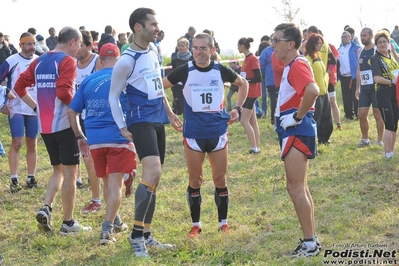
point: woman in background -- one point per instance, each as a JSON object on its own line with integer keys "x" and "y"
{"x": 322, "y": 114}
{"x": 183, "y": 55}
{"x": 250, "y": 70}
{"x": 383, "y": 66}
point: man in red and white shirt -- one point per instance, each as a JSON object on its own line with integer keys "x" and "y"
{"x": 53, "y": 74}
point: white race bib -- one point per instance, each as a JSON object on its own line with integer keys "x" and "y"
{"x": 366, "y": 77}
{"x": 154, "y": 85}
{"x": 206, "y": 99}
{"x": 395, "y": 75}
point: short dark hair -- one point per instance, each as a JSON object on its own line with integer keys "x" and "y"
{"x": 205, "y": 36}
{"x": 369, "y": 30}
{"x": 291, "y": 32}
{"x": 87, "y": 39}
{"x": 94, "y": 35}
{"x": 313, "y": 29}
{"x": 139, "y": 16}
{"x": 265, "y": 38}
{"x": 25, "y": 34}
{"x": 350, "y": 30}
{"x": 32, "y": 30}
{"x": 108, "y": 29}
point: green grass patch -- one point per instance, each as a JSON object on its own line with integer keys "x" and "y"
{"x": 355, "y": 191}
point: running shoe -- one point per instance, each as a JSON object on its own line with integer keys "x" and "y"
{"x": 43, "y": 217}
{"x": 75, "y": 228}
{"x": 120, "y": 228}
{"x": 152, "y": 243}
{"x": 318, "y": 245}
{"x": 363, "y": 143}
{"x": 106, "y": 238}
{"x": 251, "y": 151}
{"x": 225, "y": 229}
{"x": 302, "y": 251}
{"x": 14, "y": 185}
{"x": 79, "y": 183}
{"x": 195, "y": 231}
{"x": 92, "y": 207}
{"x": 138, "y": 246}
{"x": 31, "y": 183}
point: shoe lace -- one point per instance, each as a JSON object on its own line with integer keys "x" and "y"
{"x": 139, "y": 245}
{"x": 300, "y": 246}
{"x": 151, "y": 241}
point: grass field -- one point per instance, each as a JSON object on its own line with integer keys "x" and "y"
{"x": 355, "y": 191}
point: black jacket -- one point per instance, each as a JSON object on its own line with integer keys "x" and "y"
{"x": 105, "y": 38}
{"x": 4, "y": 53}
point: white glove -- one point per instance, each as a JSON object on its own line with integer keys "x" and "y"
{"x": 288, "y": 121}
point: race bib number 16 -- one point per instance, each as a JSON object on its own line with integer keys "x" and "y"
{"x": 206, "y": 99}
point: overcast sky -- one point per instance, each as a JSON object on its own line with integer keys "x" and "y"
{"x": 230, "y": 22}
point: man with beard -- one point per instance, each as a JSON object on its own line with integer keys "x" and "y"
{"x": 21, "y": 118}
{"x": 365, "y": 91}
{"x": 139, "y": 74}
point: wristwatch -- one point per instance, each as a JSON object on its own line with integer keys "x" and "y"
{"x": 296, "y": 118}
{"x": 79, "y": 137}
{"x": 239, "y": 109}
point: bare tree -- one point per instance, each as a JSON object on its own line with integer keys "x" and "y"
{"x": 289, "y": 13}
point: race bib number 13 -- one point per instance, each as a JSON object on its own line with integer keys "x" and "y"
{"x": 155, "y": 86}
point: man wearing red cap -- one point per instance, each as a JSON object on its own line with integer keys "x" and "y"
{"x": 113, "y": 155}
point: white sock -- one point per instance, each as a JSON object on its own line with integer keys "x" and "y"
{"x": 389, "y": 154}
{"x": 223, "y": 222}
{"x": 197, "y": 224}
{"x": 96, "y": 200}
{"x": 310, "y": 244}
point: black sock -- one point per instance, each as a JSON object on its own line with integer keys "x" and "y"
{"x": 69, "y": 223}
{"x": 222, "y": 202}
{"x": 194, "y": 202}
{"x": 136, "y": 233}
{"x": 146, "y": 235}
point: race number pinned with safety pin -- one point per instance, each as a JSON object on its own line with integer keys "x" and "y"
{"x": 154, "y": 85}
{"x": 206, "y": 99}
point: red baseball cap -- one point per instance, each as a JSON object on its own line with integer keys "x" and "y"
{"x": 110, "y": 49}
